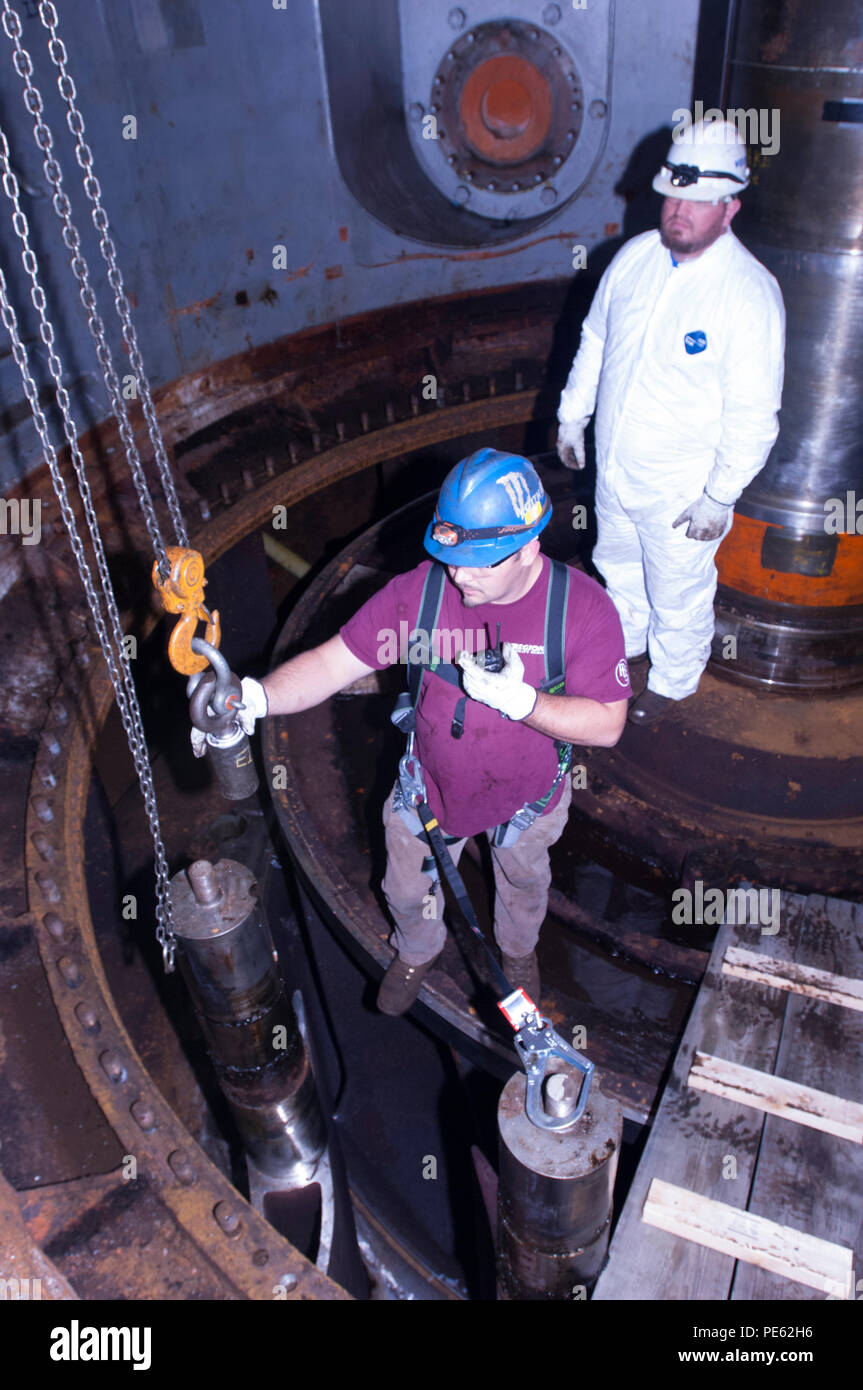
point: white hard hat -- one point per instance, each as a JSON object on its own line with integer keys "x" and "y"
{"x": 706, "y": 162}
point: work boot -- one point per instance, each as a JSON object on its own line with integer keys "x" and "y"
{"x": 401, "y": 985}
{"x": 648, "y": 708}
{"x": 523, "y": 973}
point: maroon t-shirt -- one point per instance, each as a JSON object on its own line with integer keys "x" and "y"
{"x": 481, "y": 779}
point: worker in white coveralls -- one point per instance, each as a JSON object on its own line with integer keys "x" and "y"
{"x": 682, "y": 356}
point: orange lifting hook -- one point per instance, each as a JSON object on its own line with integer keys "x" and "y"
{"x": 183, "y": 592}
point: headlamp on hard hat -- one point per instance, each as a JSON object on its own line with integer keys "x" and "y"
{"x": 450, "y": 533}
{"x": 685, "y": 175}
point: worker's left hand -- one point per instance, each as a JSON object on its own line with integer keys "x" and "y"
{"x": 504, "y": 690}
{"x": 707, "y": 519}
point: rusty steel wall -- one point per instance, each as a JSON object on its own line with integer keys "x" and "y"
{"x": 235, "y": 104}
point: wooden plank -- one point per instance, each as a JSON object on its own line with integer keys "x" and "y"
{"x": 795, "y": 1255}
{"x": 803, "y": 979}
{"x": 695, "y": 1134}
{"x": 778, "y": 1096}
{"x": 814, "y": 1179}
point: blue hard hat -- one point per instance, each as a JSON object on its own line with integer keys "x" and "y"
{"x": 490, "y": 505}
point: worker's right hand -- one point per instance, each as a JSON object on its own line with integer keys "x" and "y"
{"x": 570, "y": 443}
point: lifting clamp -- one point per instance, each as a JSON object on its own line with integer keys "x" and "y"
{"x": 183, "y": 592}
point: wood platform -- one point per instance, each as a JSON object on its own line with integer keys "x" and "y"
{"x": 750, "y": 1185}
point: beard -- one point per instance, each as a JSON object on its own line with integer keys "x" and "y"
{"x": 683, "y": 241}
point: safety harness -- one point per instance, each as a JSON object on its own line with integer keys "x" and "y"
{"x": 507, "y": 833}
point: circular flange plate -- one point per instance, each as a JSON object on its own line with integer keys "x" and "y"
{"x": 509, "y": 104}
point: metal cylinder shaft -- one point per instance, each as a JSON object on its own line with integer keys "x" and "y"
{"x": 555, "y": 1193}
{"x": 791, "y": 570}
{"x": 229, "y": 964}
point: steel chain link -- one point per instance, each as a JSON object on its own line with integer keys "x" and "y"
{"x": 121, "y": 676}
{"x": 75, "y": 122}
{"x": 53, "y": 174}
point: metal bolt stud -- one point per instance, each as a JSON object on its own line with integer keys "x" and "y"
{"x": 181, "y": 1168}
{"x": 48, "y": 888}
{"x": 54, "y": 924}
{"x": 561, "y": 1095}
{"x": 70, "y": 971}
{"x": 42, "y": 809}
{"x": 551, "y": 14}
{"x": 456, "y": 18}
{"x": 88, "y": 1018}
{"x": 143, "y": 1115}
{"x": 228, "y": 1218}
{"x": 204, "y": 884}
{"x": 112, "y": 1065}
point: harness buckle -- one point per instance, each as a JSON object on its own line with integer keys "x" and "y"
{"x": 411, "y": 781}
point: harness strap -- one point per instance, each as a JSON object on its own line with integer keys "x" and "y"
{"x": 554, "y": 646}
{"x": 436, "y": 839}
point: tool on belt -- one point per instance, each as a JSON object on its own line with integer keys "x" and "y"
{"x": 535, "y": 1039}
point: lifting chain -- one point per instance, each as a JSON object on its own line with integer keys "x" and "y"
{"x": 109, "y": 631}
{"x": 60, "y": 202}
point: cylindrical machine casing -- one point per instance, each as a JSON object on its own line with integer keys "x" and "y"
{"x": 233, "y": 765}
{"x": 791, "y": 576}
{"x": 554, "y": 1196}
{"x": 228, "y": 961}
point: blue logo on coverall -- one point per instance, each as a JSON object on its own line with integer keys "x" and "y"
{"x": 695, "y": 342}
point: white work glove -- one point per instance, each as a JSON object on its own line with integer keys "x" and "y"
{"x": 254, "y": 699}
{"x": 707, "y": 519}
{"x": 256, "y": 705}
{"x": 570, "y": 443}
{"x": 504, "y": 690}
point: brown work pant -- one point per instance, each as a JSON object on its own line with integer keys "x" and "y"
{"x": 522, "y": 878}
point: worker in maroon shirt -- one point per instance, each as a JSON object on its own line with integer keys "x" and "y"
{"x": 492, "y": 744}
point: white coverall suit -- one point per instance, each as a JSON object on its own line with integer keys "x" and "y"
{"x": 684, "y": 364}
